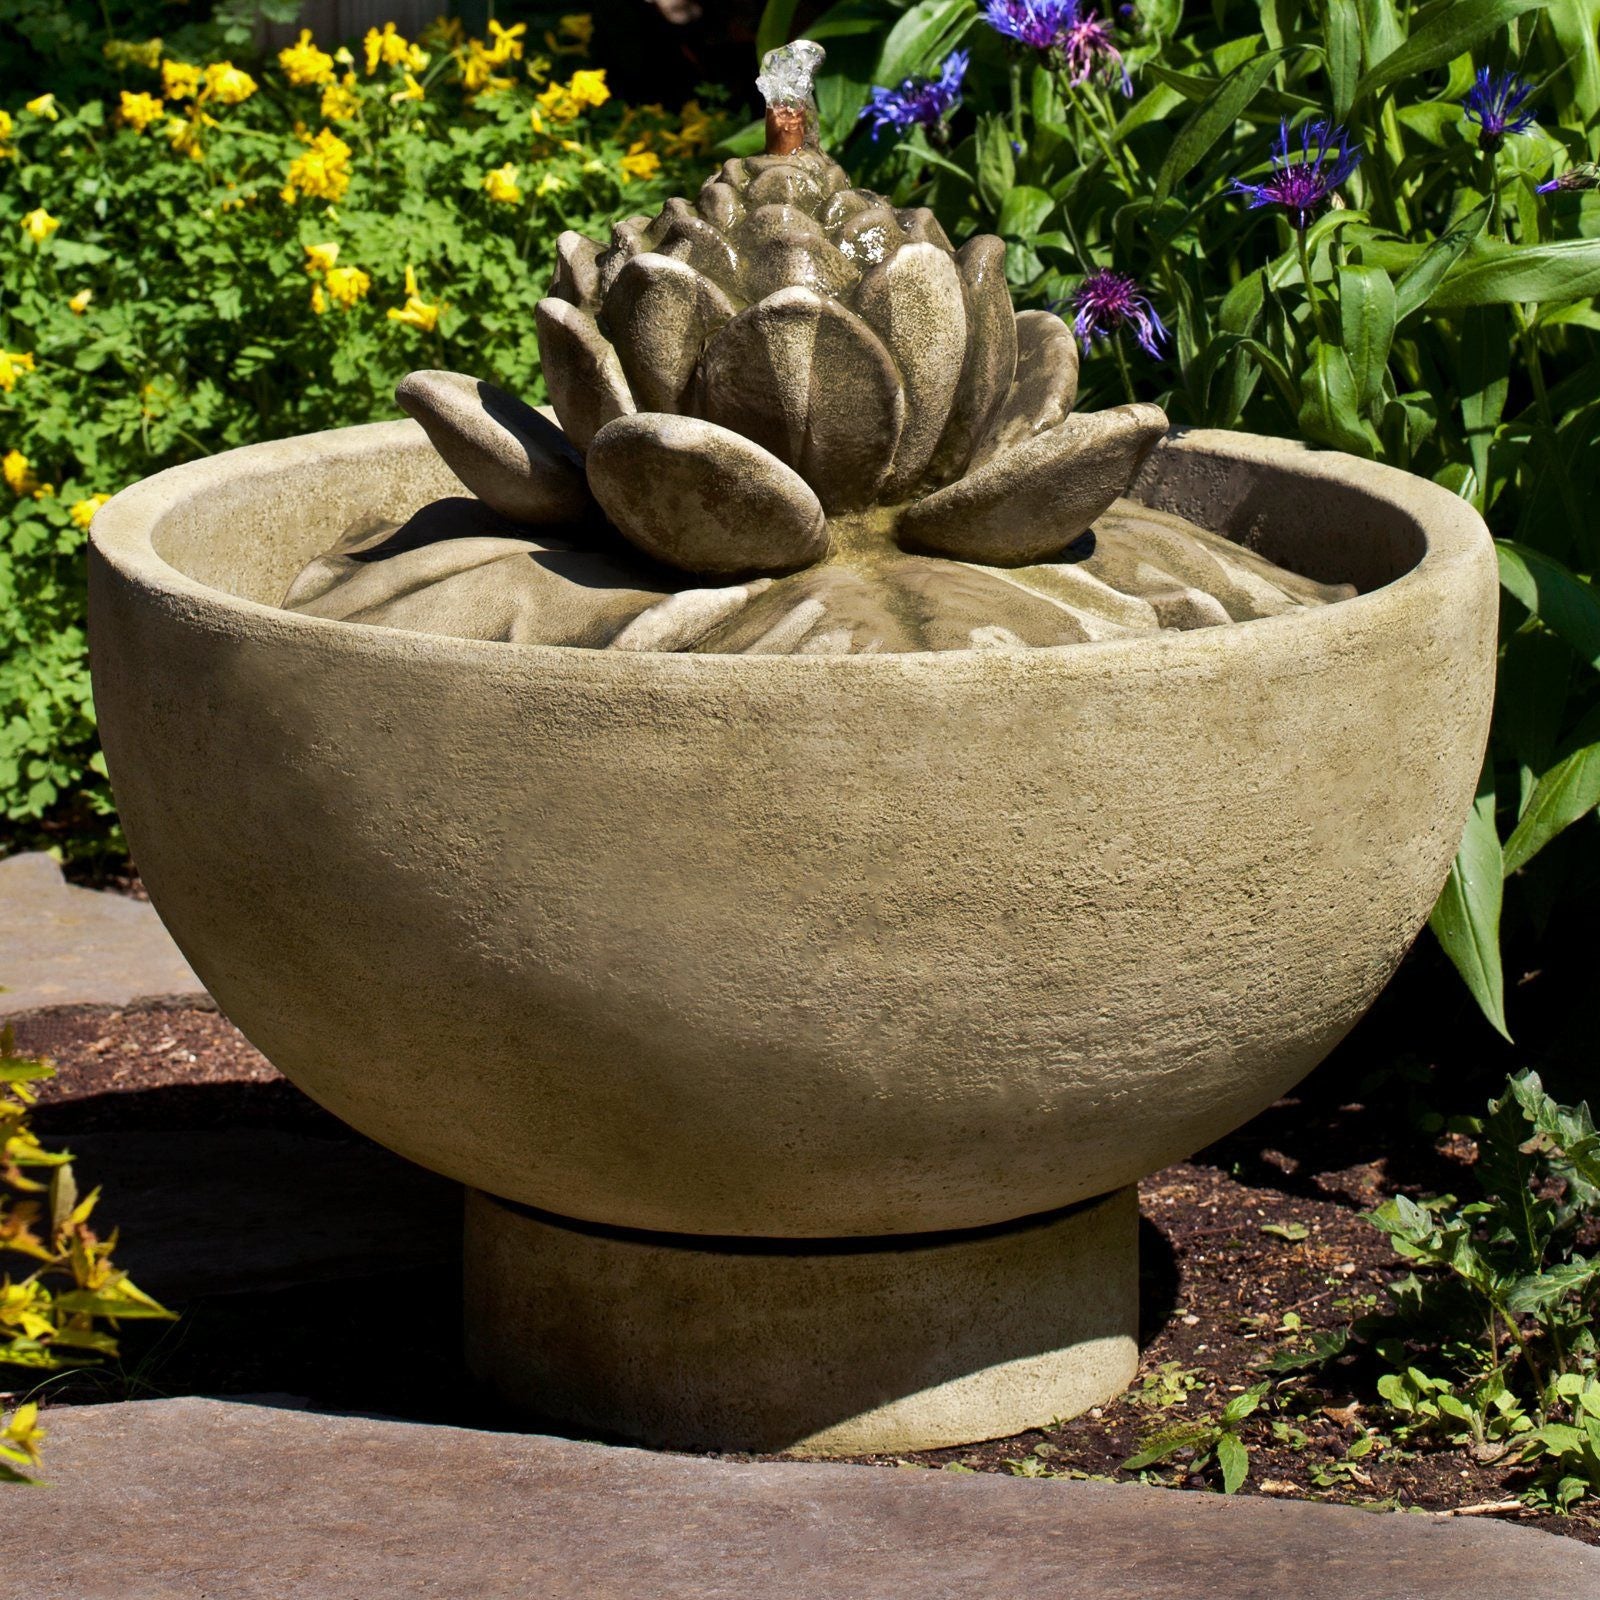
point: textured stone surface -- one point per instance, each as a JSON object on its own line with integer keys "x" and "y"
{"x": 819, "y": 1348}
{"x": 1032, "y": 502}
{"x": 188, "y": 1499}
{"x": 1046, "y": 385}
{"x": 61, "y": 945}
{"x": 514, "y": 460}
{"x": 582, "y": 371}
{"x": 224, "y": 1211}
{"x": 797, "y": 945}
{"x": 703, "y": 498}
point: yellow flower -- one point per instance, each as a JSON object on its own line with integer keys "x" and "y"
{"x": 536, "y": 120}
{"x": 44, "y": 105}
{"x": 39, "y": 225}
{"x": 538, "y": 68}
{"x": 560, "y": 104}
{"x": 640, "y": 161}
{"x": 80, "y": 301}
{"x": 417, "y": 312}
{"x": 501, "y": 185}
{"x": 14, "y": 467}
{"x": 695, "y": 134}
{"x": 588, "y": 87}
{"x": 12, "y": 364}
{"x": 549, "y": 184}
{"x": 82, "y": 512}
{"x": 340, "y": 102}
{"x": 507, "y": 44}
{"x": 21, "y": 1436}
{"x": 346, "y": 285}
{"x": 444, "y": 32}
{"x": 579, "y": 27}
{"x": 319, "y": 301}
{"x": 6, "y": 126}
{"x": 183, "y": 133}
{"x": 304, "y": 64}
{"x": 322, "y": 173}
{"x": 412, "y": 91}
{"x": 133, "y": 53}
{"x": 391, "y": 49}
{"x": 477, "y": 70}
{"x": 138, "y": 111}
{"x": 179, "y": 81}
{"x": 321, "y": 257}
{"x": 228, "y": 83}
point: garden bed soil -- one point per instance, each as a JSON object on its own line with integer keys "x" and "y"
{"x": 1259, "y": 1230}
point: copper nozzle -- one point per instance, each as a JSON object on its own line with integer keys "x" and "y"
{"x": 786, "y": 129}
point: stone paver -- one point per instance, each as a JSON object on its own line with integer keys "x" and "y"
{"x": 204, "y": 1498}
{"x": 204, "y": 1211}
{"x": 61, "y": 945}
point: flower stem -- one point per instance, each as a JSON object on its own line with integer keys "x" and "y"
{"x": 1016, "y": 98}
{"x": 1122, "y": 366}
{"x": 1312, "y": 300}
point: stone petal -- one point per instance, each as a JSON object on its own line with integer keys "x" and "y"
{"x": 914, "y": 303}
{"x": 581, "y": 369}
{"x": 690, "y": 238}
{"x": 577, "y": 278}
{"x": 786, "y": 185}
{"x": 848, "y": 203}
{"x": 870, "y": 236}
{"x": 704, "y": 498}
{"x": 660, "y": 313}
{"x": 920, "y": 224}
{"x": 681, "y": 620}
{"x": 833, "y": 610}
{"x": 515, "y": 461}
{"x": 720, "y": 205}
{"x": 780, "y": 247}
{"x": 812, "y": 384}
{"x": 1033, "y": 501}
{"x": 991, "y": 361}
{"x": 1046, "y": 385}
{"x": 630, "y": 237}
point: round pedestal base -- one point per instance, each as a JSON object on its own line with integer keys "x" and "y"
{"x": 835, "y": 1347}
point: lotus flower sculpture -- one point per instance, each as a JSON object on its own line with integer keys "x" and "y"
{"x": 808, "y": 399}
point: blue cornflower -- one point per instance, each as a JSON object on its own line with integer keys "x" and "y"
{"x": 1495, "y": 103}
{"x": 919, "y": 102}
{"x": 1586, "y": 176}
{"x": 1108, "y": 301}
{"x": 1302, "y": 184}
{"x": 1040, "y": 23}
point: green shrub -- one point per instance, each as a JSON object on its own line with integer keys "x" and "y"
{"x": 65, "y": 1308}
{"x": 214, "y": 257}
{"x": 1438, "y": 313}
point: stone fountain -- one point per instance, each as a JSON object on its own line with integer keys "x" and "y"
{"x": 812, "y": 827}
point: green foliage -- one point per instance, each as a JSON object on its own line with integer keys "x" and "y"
{"x": 167, "y": 305}
{"x": 65, "y": 1308}
{"x": 1438, "y": 317}
{"x": 1208, "y": 1441}
{"x": 1493, "y": 1338}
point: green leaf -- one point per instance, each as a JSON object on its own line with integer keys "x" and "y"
{"x": 1216, "y": 115}
{"x": 1417, "y": 284}
{"x": 1453, "y": 29}
{"x": 1466, "y": 919}
{"x": 1495, "y": 273}
{"x": 1560, "y": 599}
{"x": 774, "y": 28}
{"x": 1341, "y": 39}
{"x": 1024, "y": 211}
{"x": 1294, "y": 1232}
{"x": 1367, "y": 316}
{"x": 997, "y": 165}
{"x": 1567, "y": 792}
{"x": 1168, "y": 1442}
{"x": 921, "y": 39}
{"x": 1234, "y": 1460}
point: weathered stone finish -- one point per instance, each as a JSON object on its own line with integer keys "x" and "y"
{"x": 907, "y": 1344}
{"x": 791, "y": 946}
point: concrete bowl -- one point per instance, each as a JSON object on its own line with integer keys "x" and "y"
{"x": 791, "y": 947}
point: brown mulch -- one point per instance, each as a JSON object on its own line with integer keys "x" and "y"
{"x": 1220, "y": 1293}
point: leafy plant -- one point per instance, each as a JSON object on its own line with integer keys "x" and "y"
{"x": 1493, "y": 1338}
{"x": 1212, "y": 1440}
{"x": 1430, "y": 305}
{"x": 64, "y": 1311}
{"x": 211, "y": 256}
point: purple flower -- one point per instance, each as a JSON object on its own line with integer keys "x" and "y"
{"x": 1303, "y": 183}
{"x": 1495, "y": 104}
{"x": 1586, "y": 176}
{"x": 1040, "y": 23}
{"x": 1088, "y": 44}
{"x": 919, "y": 102}
{"x": 1108, "y": 301}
